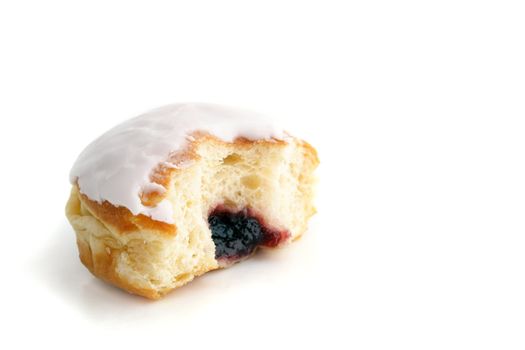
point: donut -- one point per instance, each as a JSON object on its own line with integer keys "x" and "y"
{"x": 185, "y": 189}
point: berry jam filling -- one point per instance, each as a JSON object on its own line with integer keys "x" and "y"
{"x": 238, "y": 234}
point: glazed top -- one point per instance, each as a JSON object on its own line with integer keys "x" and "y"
{"x": 116, "y": 167}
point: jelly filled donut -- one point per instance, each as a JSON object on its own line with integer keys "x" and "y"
{"x": 185, "y": 189}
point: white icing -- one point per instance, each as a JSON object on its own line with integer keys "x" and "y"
{"x": 116, "y": 167}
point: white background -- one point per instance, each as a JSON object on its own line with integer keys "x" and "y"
{"x": 416, "y": 107}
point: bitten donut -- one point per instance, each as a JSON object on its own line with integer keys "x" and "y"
{"x": 185, "y": 189}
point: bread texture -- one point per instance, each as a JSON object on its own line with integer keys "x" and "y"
{"x": 272, "y": 178}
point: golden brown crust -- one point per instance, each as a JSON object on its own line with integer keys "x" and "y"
{"x": 100, "y": 254}
{"x": 310, "y": 153}
{"x": 123, "y": 220}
